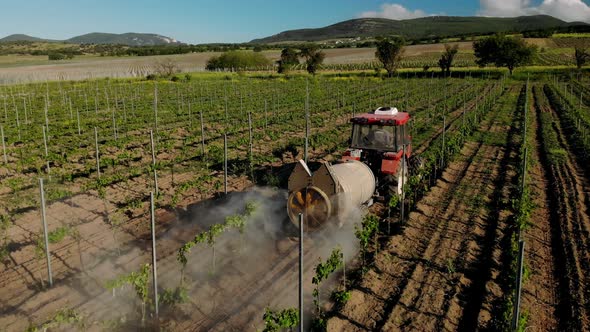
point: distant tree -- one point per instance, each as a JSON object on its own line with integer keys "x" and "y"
{"x": 389, "y": 52}
{"x": 59, "y": 56}
{"x": 446, "y": 60}
{"x": 314, "y": 57}
{"x": 581, "y": 55}
{"x": 56, "y": 56}
{"x": 166, "y": 68}
{"x": 237, "y": 60}
{"x": 538, "y": 33}
{"x": 289, "y": 58}
{"x": 366, "y": 44}
{"x": 503, "y": 52}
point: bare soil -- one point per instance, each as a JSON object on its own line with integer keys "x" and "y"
{"x": 540, "y": 295}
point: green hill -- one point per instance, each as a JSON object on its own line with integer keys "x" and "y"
{"x": 419, "y": 28}
{"x": 129, "y": 39}
{"x": 20, "y": 37}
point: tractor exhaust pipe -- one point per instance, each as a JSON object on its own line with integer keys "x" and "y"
{"x": 331, "y": 192}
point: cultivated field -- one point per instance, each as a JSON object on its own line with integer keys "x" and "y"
{"x": 450, "y": 264}
{"x": 27, "y": 68}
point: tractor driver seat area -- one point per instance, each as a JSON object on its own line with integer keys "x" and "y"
{"x": 378, "y": 138}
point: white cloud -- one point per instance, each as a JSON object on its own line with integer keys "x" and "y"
{"x": 567, "y": 10}
{"x": 503, "y": 8}
{"x": 395, "y": 11}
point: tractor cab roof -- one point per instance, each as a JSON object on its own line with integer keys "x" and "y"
{"x": 386, "y": 116}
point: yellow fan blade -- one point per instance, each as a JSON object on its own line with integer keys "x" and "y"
{"x": 299, "y": 197}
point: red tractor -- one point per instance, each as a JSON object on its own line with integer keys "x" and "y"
{"x": 379, "y": 139}
{"x": 375, "y": 165}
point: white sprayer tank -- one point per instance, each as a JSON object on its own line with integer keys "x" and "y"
{"x": 332, "y": 191}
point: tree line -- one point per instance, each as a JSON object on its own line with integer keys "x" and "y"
{"x": 499, "y": 50}
{"x": 311, "y": 55}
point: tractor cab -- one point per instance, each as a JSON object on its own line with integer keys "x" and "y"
{"x": 383, "y": 130}
{"x": 378, "y": 139}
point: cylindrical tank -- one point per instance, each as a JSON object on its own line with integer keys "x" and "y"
{"x": 332, "y": 191}
{"x": 357, "y": 181}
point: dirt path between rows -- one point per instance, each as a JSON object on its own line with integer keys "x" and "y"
{"x": 540, "y": 291}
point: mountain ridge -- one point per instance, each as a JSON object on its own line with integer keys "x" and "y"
{"x": 419, "y": 28}
{"x": 129, "y": 39}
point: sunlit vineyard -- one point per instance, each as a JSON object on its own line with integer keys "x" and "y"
{"x": 188, "y": 119}
{"x": 102, "y": 147}
{"x": 92, "y": 139}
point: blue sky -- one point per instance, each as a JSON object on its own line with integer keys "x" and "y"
{"x": 202, "y": 21}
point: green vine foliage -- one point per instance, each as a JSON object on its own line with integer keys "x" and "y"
{"x": 59, "y": 234}
{"x": 250, "y": 208}
{"x": 322, "y": 272}
{"x": 64, "y": 316}
{"x": 394, "y": 201}
{"x": 173, "y": 296}
{"x": 53, "y": 237}
{"x": 234, "y": 221}
{"x": 340, "y": 297}
{"x": 274, "y": 321}
{"x": 138, "y": 280}
{"x": 214, "y": 232}
{"x": 368, "y": 228}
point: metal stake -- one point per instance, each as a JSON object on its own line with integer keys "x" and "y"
{"x": 46, "y": 150}
{"x": 442, "y": 159}
{"x": 114, "y": 124}
{"x": 45, "y": 234}
{"x": 156, "y": 181}
{"x": 306, "y": 121}
{"x": 154, "y": 270}
{"x": 265, "y": 117}
{"x": 156, "y": 108}
{"x": 3, "y": 145}
{"x": 225, "y": 164}
{"x": 301, "y": 272}
{"x": 251, "y": 143}
{"x": 403, "y": 180}
{"x": 202, "y": 135}
{"x": 97, "y": 155}
{"x": 78, "y": 117}
{"x": 153, "y": 148}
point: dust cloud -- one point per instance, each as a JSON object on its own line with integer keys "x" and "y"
{"x": 230, "y": 283}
